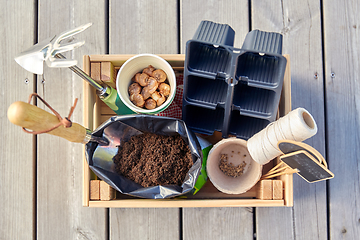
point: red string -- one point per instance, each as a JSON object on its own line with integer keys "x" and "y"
{"x": 62, "y": 121}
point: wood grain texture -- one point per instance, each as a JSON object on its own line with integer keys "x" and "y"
{"x": 282, "y": 223}
{"x": 60, "y": 214}
{"x": 127, "y": 202}
{"x": 95, "y": 190}
{"x": 108, "y": 74}
{"x": 106, "y": 192}
{"x": 231, "y": 12}
{"x": 277, "y": 189}
{"x": 300, "y": 25}
{"x": 218, "y": 223}
{"x": 265, "y": 190}
{"x": 17, "y": 164}
{"x": 143, "y": 27}
{"x": 95, "y": 69}
{"x": 34, "y": 118}
{"x": 89, "y": 96}
{"x": 203, "y": 223}
{"x": 342, "y": 65}
{"x": 138, "y": 223}
{"x": 56, "y": 211}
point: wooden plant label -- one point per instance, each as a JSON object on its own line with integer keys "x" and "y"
{"x": 310, "y": 164}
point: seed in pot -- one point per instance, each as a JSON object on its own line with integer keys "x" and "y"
{"x": 159, "y": 75}
{"x": 150, "y": 103}
{"x": 229, "y": 169}
{"x": 149, "y": 70}
{"x": 136, "y": 77}
{"x": 152, "y": 84}
{"x": 148, "y": 83}
{"x": 142, "y": 79}
{"x": 164, "y": 89}
{"x": 137, "y": 99}
{"x": 134, "y": 88}
{"x": 150, "y": 88}
{"x": 158, "y": 97}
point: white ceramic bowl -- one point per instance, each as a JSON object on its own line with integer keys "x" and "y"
{"x": 237, "y": 152}
{"x": 136, "y": 64}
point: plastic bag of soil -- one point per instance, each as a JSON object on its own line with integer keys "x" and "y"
{"x": 118, "y": 130}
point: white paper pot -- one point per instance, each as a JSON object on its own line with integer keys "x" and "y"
{"x": 136, "y": 64}
{"x": 237, "y": 153}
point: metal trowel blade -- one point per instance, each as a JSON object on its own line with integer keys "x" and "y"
{"x": 116, "y": 134}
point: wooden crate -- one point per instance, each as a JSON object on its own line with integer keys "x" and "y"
{"x": 95, "y": 112}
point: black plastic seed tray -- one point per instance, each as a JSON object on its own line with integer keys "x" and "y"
{"x": 235, "y": 91}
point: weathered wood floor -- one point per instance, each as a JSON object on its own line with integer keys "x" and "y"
{"x": 41, "y": 177}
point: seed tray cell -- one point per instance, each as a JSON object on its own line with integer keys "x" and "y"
{"x": 244, "y": 127}
{"x": 208, "y": 59}
{"x": 195, "y": 117}
{"x": 254, "y": 101}
{"x": 206, "y": 91}
{"x": 259, "y": 70}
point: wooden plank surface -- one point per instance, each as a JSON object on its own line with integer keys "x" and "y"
{"x": 232, "y": 12}
{"x": 54, "y": 209}
{"x": 148, "y": 223}
{"x": 143, "y": 27}
{"x": 138, "y": 26}
{"x": 300, "y": 25}
{"x": 60, "y": 214}
{"x": 216, "y": 223}
{"x": 342, "y": 67}
{"x": 17, "y": 164}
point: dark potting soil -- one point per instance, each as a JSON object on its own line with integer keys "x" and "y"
{"x": 150, "y": 159}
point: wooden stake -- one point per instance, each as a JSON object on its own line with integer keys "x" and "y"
{"x": 277, "y": 190}
{"x": 95, "y": 71}
{"x": 106, "y": 192}
{"x": 95, "y": 190}
{"x": 108, "y": 74}
{"x": 265, "y": 190}
{"x": 278, "y": 171}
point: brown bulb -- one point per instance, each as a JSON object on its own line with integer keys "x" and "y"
{"x": 134, "y": 88}
{"x": 145, "y": 93}
{"x": 149, "y": 70}
{"x": 150, "y": 88}
{"x": 164, "y": 89}
{"x": 152, "y": 84}
{"x": 137, "y": 99}
{"x": 136, "y": 77}
{"x": 159, "y": 75}
{"x": 159, "y": 98}
{"x": 142, "y": 79}
{"x": 150, "y": 104}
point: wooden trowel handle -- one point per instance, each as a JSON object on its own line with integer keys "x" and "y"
{"x": 36, "y": 119}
